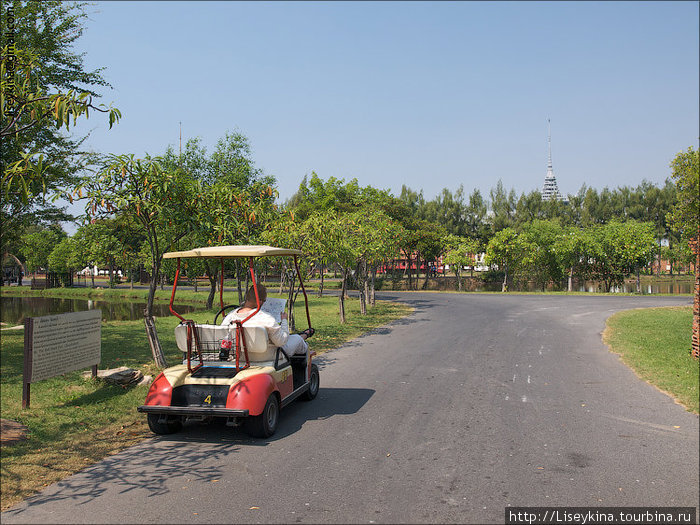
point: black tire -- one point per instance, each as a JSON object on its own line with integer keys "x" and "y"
{"x": 265, "y": 424}
{"x": 169, "y": 427}
{"x": 314, "y": 383}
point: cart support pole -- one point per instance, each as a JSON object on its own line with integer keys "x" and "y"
{"x": 172, "y": 296}
{"x": 221, "y": 285}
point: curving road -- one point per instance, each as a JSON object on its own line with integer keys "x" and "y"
{"x": 471, "y": 404}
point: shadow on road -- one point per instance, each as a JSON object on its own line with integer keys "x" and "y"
{"x": 152, "y": 465}
{"x": 144, "y": 468}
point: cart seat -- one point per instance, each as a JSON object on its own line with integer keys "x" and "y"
{"x": 211, "y": 335}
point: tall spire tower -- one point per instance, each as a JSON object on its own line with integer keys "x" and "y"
{"x": 550, "y": 189}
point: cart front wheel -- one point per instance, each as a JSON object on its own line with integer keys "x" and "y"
{"x": 314, "y": 383}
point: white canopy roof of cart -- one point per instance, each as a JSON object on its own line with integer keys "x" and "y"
{"x": 232, "y": 251}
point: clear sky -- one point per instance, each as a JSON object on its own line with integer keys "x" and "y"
{"x": 427, "y": 94}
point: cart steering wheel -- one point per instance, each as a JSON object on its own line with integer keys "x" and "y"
{"x": 223, "y": 310}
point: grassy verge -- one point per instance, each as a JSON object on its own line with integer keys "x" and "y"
{"x": 655, "y": 343}
{"x": 74, "y": 422}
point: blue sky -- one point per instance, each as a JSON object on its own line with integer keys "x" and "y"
{"x": 427, "y": 94}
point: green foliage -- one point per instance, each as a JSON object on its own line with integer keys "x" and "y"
{"x": 37, "y": 247}
{"x": 163, "y": 204}
{"x": 503, "y": 250}
{"x": 44, "y": 84}
{"x": 503, "y": 206}
{"x": 619, "y": 249}
{"x": 26, "y": 106}
{"x": 538, "y": 248}
{"x": 685, "y": 215}
{"x": 460, "y": 252}
{"x": 573, "y": 250}
{"x": 63, "y": 257}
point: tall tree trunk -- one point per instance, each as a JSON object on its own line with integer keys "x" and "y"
{"x": 150, "y": 321}
{"x": 427, "y": 275}
{"x": 341, "y": 298}
{"x": 212, "y": 275}
{"x": 570, "y": 283}
{"x": 363, "y": 286}
{"x": 372, "y": 290}
{"x": 410, "y": 271}
{"x": 418, "y": 263}
{"x": 320, "y": 286}
{"x": 131, "y": 286}
{"x": 283, "y": 274}
{"x": 504, "y": 285}
{"x": 154, "y": 341}
{"x": 238, "y": 282}
{"x": 291, "y": 297}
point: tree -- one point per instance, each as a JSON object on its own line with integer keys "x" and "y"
{"x": 163, "y": 204}
{"x": 685, "y": 217}
{"x": 103, "y": 244}
{"x": 62, "y": 257}
{"x": 237, "y": 199}
{"x": 317, "y": 195}
{"x": 373, "y": 238}
{"x": 460, "y": 252}
{"x": 503, "y": 206}
{"x": 573, "y": 248}
{"x": 537, "y": 243}
{"x": 477, "y": 227}
{"x": 448, "y": 210}
{"x": 503, "y": 250}
{"x": 621, "y": 248}
{"x": 37, "y": 247}
{"x": 45, "y": 89}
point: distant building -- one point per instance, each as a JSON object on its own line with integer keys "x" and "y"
{"x": 550, "y": 189}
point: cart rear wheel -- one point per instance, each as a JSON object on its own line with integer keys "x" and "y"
{"x": 265, "y": 424}
{"x": 168, "y": 427}
{"x": 314, "y": 383}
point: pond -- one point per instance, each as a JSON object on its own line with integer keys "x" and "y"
{"x": 13, "y": 310}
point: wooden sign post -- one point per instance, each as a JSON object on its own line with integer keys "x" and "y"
{"x": 57, "y": 344}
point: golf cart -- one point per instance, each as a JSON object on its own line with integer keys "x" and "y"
{"x": 229, "y": 372}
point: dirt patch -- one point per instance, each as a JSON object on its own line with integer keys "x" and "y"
{"x": 12, "y": 432}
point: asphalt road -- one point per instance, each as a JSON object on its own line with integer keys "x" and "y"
{"x": 472, "y": 404}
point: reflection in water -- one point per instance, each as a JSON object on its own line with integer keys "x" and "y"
{"x": 15, "y": 309}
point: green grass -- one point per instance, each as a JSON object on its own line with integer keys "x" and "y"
{"x": 655, "y": 343}
{"x": 74, "y": 422}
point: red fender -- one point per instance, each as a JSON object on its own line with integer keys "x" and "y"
{"x": 251, "y": 394}
{"x": 160, "y": 393}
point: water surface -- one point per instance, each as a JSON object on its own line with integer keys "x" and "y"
{"x": 13, "y": 310}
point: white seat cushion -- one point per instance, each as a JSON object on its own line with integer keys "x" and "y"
{"x": 210, "y": 336}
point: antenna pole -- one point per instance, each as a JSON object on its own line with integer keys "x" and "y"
{"x": 180, "y": 144}
{"x": 549, "y": 144}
